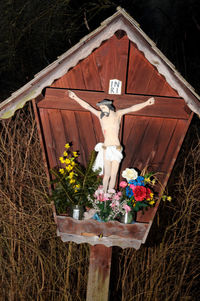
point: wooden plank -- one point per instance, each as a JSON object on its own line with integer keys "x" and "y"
{"x": 62, "y": 82}
{"x": 144, "y": 78}
{"x": 109, "y": 229}
{"x": 116, "y": 61}
{"x": 170, "y": 146}
{"x": 64, "y": 126}
{"x": 157, "y": 83}
{"x": 111, "y": 58}
{"x": 99, "y": 273}
{"x": 167, "y": 90}
{"x": 41, "y": 137}
{"x": 166, "y": 107}
{"x": 145, "y": 151}
{"x": 132, "y": 138}
{"x": 160, "y": 142}
{"x": 87, "y": 140}
{"x": 76, "y": 127}
{"x": 57, "y": 132}
{"x": 73, "y": 79}
{"x": 175, "y": 145}
{"x": 90, "y": 72}
{"x": 58, "y": 99}
{"x": 48, "y": 139}
{"x": 145, "y": 133}
{"x": 108, "y": 234}
{"x": 72, "y": 132}
{"x": 94, "y": 72}
{"x": 163, "y": 143}
{"x": 140, "y": 73}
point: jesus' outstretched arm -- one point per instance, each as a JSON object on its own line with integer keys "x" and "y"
{"x": 83, "y": 103}
{"x": 137, "y": 107}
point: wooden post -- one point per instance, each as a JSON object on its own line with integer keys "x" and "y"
{"x": 99, "y": 273}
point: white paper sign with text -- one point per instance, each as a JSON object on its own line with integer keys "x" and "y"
{"x": 115, "y": 87}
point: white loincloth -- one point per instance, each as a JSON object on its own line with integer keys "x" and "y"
{"x": 111, "y": 154}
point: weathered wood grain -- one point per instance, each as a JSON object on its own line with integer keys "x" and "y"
{"x": 143, "y": 78}
{"x": 99, "y": 273}
{"x": 166, "y": 107}
{"x": 72, "y": 226}
{"x": 109, "y": 233}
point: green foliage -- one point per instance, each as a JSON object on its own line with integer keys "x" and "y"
{"x": 74, "y": 183}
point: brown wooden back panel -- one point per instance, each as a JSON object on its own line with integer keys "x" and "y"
{"x": 151, "y": 137}
{"x": 93, "y": 73}
{"x": 62, "y": 126}
{"x": 143, "y": 78}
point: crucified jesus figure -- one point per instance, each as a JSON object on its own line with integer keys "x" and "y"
{"x": 110, "y": 152}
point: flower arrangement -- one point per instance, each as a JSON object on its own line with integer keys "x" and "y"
{"x": 73, "y": 183}
{"x": 76, "y": 185}
{"x": 106, "y": 206}
{"x": 135, "y": 194}
{"x": 137, "y": 189}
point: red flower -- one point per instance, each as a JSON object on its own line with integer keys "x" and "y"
{"x": 140, "y": 193}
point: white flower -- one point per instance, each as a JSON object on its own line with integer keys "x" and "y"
{"x": 130, "y": 174}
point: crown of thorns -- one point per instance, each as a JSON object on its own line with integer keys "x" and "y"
{"x": 104, "y": 102}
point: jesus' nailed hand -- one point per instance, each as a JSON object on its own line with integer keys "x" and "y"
{"x": 110, "y": 152}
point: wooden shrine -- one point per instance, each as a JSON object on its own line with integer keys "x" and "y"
{"x": 119, "y": 62}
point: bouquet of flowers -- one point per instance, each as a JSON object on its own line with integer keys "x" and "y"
{"x": 135, "y": 194}
{"x": 137, "y": 191}
{"x": 106, "y": 206}
{"x": 73, "y": 183}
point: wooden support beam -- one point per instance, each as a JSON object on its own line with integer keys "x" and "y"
{"x": 99, "y": 273}
{"x": 165, "y": 107}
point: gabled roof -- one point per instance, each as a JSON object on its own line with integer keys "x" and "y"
{"x": 118, "y": 21}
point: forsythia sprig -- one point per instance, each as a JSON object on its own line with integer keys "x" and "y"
{"x": 72, "y": 181}
{"x": 68, "y": 171}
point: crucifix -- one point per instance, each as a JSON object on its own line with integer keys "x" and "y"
{"x": 110, "y": 122}
{"x": 110, "y": 151}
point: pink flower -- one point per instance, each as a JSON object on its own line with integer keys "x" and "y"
{"x": 132, "y": 187}
{"x": 127, "y": 208}
{"x": 123, "y": 184}
{"x": 116, "y": 197}
{"x": 100, "y": 195}
{"x": 114, "y": 204}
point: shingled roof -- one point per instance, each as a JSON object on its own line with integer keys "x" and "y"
{"x": 118, "y": 21}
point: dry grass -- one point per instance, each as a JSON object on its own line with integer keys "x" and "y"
{"x": 36, "y": 265}
{"x": 167, "y": 267}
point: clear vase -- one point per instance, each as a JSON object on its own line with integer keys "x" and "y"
{"x": 128, "y": 218}
{"x": 77, "y": 212}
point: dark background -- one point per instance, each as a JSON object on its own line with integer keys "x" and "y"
{"x": 34, "y": 32}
